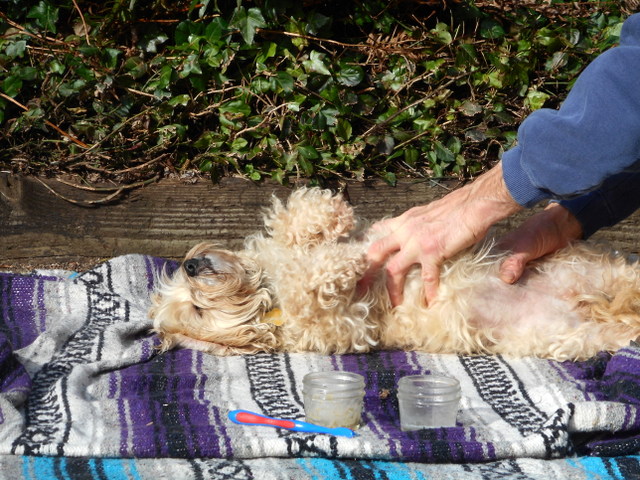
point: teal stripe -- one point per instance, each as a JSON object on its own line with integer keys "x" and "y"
{"x": 614, "y": 466}
{"x": 121, "y": 469}
{"x": 25, "y": 468}
{"x": 593, "y": 467}
{"x": 92, "y": 466}
{"x": 397, "y": 470}
{"x": 323, "y": 469}
{"x": 115, "y": 469}
{"x": 63, "y": 469}
{"x": 44, "y": 468}
{"x": 39, "y": 468}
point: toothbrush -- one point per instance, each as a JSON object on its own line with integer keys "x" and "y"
{"x": 244, "y": 417}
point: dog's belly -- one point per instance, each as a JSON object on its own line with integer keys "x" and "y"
{"x": 522, "y": 307}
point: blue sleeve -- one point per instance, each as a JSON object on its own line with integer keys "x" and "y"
{"x": 594, "y": 134}
{"x": 616, "y": 199}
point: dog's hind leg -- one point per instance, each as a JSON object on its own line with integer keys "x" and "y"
{"x": 608, "y": 298}
{"x": 310, "y": 217}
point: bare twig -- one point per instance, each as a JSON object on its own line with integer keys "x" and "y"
{"x": 113, "y": 132}
{"x": 265, "y": 120}
{"x": 55, "y": 127}
{"x": 91, "y": 203}
{"x": 139, "y": 92}
{"x": 114, "y": 188}
{"x": 24, "y": 31}
{"x": 101, "y": 201}
{"x": 124, "y": 170}
{"x": 310, "y": 37}
{"x": 410, "y": 140}
{"x": 84, "y": 24}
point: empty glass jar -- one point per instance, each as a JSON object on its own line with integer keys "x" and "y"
{"x": 333, "y": 399}
{"x": 428, "y": 401}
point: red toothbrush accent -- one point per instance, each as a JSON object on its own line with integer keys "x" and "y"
{"x": 251, "y": 418}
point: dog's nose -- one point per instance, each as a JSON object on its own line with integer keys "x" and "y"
{"x": 192, "y": 266}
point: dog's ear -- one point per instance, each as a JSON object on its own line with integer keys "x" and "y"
{"x": 170, "y": 318}
{"x": 173, "y": 340}
{"x": 265, "y": 343}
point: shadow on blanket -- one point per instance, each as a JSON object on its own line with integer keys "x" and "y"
{"x": 80, "y": 376}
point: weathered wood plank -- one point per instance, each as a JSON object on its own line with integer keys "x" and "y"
{"x": 168, "y": 217}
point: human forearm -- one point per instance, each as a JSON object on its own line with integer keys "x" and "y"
{"x": 595, "y": 133}
{"x": 617, "y": 198}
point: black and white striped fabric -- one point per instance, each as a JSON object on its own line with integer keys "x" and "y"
{"x": 84, "y": 391}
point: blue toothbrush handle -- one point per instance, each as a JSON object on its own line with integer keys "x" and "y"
{"x": 244, "y": 417}
{"x": 310, "y": 427}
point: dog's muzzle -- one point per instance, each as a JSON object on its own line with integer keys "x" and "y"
{"x": 194, "y": 266}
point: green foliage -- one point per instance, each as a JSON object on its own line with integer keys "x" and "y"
{"x": 281, "y": 88}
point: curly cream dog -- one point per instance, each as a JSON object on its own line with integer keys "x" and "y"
{"x": 295, "y": 288}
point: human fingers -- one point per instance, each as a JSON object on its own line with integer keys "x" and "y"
{"x": 430, "y": 275}
{"x": 396, "y": 269}
{"x": 513, "y": 267}
{"x": 380, "y": 250}
{"x": 545, "y": 232}
{"x": 377, "y": 255}
{"x": 417, "y": 251}
{"x": 525, "y": 244}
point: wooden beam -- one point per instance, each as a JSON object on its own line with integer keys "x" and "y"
{"x": 168, "y": 217}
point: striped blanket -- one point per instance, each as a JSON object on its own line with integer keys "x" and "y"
{"x": 85, "y": 394}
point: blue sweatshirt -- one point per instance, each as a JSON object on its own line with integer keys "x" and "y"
{"x": 586, "y": 153}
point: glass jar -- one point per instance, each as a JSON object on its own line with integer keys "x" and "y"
{"x": 333, "y": 399}
{"x": 428, "y": 401}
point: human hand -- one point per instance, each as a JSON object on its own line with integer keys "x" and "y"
{"x": 430, "y": 234}
{"x": 545, "y": 232}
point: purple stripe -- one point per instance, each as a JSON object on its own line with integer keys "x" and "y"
{"x": 151, "y": 271}
{"x": 193, "y": 407}
{"x": 155, "y": 266}
{"x": 169, "y": 412}
{"x": 19, "y": 311}
{"x": 491, "y": 451}
{"x": 13, "y": 376}
{"x": 113, "y": 384}
{"x": 144, "y": 428}
{"x": 628, "y": 409}
{"x": 124, "y": 429}
{"x": 585, "y": 376}
{"x": 41, "y": 309}
{"x": 182, "y": 394}
{"x": 382, "y": 370}
{"x": 221, "y": 422}
{"x": 23, "y": 307}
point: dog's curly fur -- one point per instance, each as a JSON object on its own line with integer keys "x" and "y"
{"x": 295, "y": 288}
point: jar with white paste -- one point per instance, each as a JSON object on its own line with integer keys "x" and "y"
{"x": 333, "y": 399}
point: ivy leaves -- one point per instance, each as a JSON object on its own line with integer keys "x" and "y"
{"x": 274, "y": 89}
{"x": 247, "y": 21}
{"x": 45, "y": 16}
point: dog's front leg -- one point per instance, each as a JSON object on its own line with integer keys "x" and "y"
{"x": 319, "y": 299}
